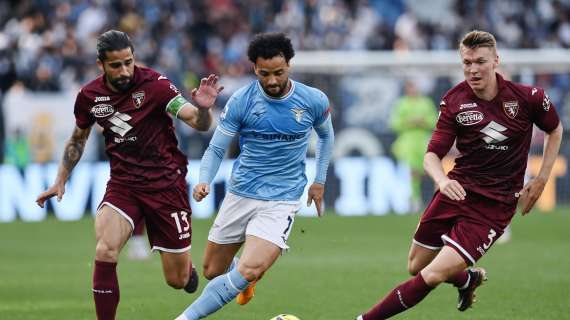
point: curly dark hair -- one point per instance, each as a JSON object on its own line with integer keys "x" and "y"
{"x": 269, "y": 45}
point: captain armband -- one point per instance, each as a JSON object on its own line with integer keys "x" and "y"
{"x": 176, "y": 104}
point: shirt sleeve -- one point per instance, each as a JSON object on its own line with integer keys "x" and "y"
{"x": 168, "y": 96}
{"x": 323, "y": 154}
{"x": 83, "y": 117}
{"x": 445, "y": 132}
{"x": 544, "y": 113}
{"x": 231, "y": 116}
{"x": 213, "y": 156}
{"x": 322, "y": 109}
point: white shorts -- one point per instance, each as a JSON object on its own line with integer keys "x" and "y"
{"x": 240, "y": 216}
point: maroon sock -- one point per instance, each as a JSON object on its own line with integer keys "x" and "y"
{"x": 459, "y": 279}
{"x": 404, "y": 296}
{"x": 105, "y": 290}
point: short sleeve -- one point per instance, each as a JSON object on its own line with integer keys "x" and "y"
{"x": 83, "y": 117}
{"x": 445, "y": 132}
{"x": 231, "y": 117}
{"x": 166, "y": 92}
{"x": 543, "y": 112}
{"x": 322, "y": 108}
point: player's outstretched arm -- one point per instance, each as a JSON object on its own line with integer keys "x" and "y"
{"x": 323, "y": 154}
{"x": 199, "y": 117}
{"x": 211, "y": 163}
{"x": 533, "y": 189}
{"x": 71, "y": 155}
{"x": 451, "y": 188}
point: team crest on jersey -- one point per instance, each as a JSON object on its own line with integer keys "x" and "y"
{"x": 298, "y": 113}
{"x": 511, "y": 108}
{"x": 138, "y": 98}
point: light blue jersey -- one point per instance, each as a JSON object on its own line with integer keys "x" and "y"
{"x": 274, "y": 135}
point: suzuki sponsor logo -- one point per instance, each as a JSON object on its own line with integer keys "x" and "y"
{"x": 102, "y": 110}
{"x": 496, "y": 147}
{"x": 127, "y": 139}
{"x": 469, "y": 118}
{"x": 493, "y": 133}
{"x": 468, "y": 105}
{"x": 102, "y": 99}
{"x": 120, "y": 125}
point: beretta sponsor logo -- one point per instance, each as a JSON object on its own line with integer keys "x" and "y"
{"x": 102, "y": 110}
{"x": 469, "y": 118}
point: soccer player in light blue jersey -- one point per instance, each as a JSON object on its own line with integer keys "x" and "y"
{"x": 274, "y": 117}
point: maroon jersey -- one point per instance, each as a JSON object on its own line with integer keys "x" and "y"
{"x": 493, "y": 137}
{"x": 139, "y": 133}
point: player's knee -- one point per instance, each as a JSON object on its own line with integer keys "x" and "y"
{"x": 177, "y": 280}
{"x": 433, "y": 278}
{"x": 106, "y": 252}
{"x": 175, "y": 283}
{"x": 413, "y": 267}
{"x": 209, "y": 271}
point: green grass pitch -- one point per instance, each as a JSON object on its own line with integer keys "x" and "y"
{"x": 337, "y": 268}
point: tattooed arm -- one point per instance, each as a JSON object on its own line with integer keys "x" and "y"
{"x": 71, "y": 155}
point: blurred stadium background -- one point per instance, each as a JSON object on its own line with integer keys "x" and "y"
{"x": 361, "y": 53}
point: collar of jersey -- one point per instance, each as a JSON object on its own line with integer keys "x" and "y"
{"x": 285, "y": 97}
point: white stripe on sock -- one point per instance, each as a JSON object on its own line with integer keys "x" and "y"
{"x": 466, "y": 283}
{"x": 181, "y": 317}
{"x": 231, "y": 283}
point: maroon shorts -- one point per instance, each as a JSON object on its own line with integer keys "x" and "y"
{"x": 466, "y": 226}
{"x": 166, "y": 213}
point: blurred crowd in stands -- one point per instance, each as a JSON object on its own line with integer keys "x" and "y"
{"x": 49, "y": 45}
{"x": 51, "y": 42}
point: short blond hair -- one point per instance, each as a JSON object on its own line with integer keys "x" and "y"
{"x": 476, "y": 39}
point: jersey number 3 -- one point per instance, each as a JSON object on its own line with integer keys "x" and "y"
{"x": 491, "y": 236}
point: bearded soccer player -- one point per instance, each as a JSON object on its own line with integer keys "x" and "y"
{"x": 274, "y": 117}
{"x": 135, "y": 106}
{"x": 492, "y": 121}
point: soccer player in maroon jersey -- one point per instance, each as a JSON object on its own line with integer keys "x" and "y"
{"x": 491, "y": 120}
{"x": 135, "y": 106}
